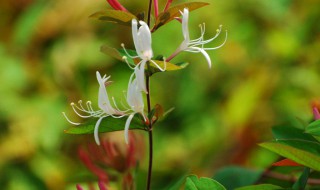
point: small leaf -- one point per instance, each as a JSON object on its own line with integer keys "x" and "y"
{"x": 238, "y": 175}
{"x": 174, "y": 11}
{"x": 165, "y": 114}
{"x": 156, "y": 113}
{"x": 261, "y": 187}
{"x": 177, "y": 184}
{"x": 169, "y": 66}
{"x": 108, "y": 124}
{"x": 119, "y": 53}
{"x": 302, "y": 181}
{"x": 314, "y": 128}
{"x": 193, "y": 183}
{"x": 287, "y": 133}
{"x": 115, "y": 16}
{"x": 286, "y": 162}
{"x": 301, "y": 156}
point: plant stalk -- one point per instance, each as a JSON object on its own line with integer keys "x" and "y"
{"x": 150, "y": 135}
{"x": 149, "y": 110}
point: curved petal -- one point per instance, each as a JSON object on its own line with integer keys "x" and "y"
{"x": 204, "y": 53}
{"x": 145, "y": 40}
{"x": 139, "y": 72}
{"x": 103, "y": 98}
{"x": 135, "y": 36}
{"x": 134, "y": 97}
{"x": 185, "y": 29}
{"x": 126, "y": 128}
{"x": 96, "y": 131}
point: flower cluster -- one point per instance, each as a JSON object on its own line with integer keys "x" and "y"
{"x": 137, "y": 85}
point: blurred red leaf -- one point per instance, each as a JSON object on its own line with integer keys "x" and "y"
{"x": 286, "y": 162}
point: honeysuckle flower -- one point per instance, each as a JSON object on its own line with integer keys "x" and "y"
{"x": 142, "y": 42}
{"x": 135, "y": 101}
{"x": 106, "y": 109}
{"x": 196, "y": 45}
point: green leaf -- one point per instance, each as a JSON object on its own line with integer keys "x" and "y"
{"x": 177, "y": 185}
{"x": 261, "y": 187}
{"x": 120, "y": 53}
{"x": 115, "y": 16}
{"x": 108, "y": 124}
{"x": 302, "y": 181}
{"x": 174, "y": 11}
{"x": 287, "y": 133}
{"x": 169, "y": 66}
{"x": 314, "y": 128}
{"x": 193, "y": 183}
{"x": 166, "y": 114}
{"x": 305, "y": 153}
{"x": 238, "y": 175}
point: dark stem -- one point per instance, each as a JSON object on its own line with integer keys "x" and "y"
{"x": 149, "y": 110}
{"x": 150, "y": 159}
{"x": 150, "y": 132}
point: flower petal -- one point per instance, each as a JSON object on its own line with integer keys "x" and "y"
{"x": 134, "y": 97}
{"x": 185, "y": 29}
{"x": 139, "y": 72}
{"x": 145, "y": 40}
{"x": 103, "y": 98}
{"x": 135, "y": 36}
{"x": 96, "y": 131}
{"x": 126, "y": 128}
{"x": 204, "y": 53}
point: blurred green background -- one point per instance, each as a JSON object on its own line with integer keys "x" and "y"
{"x": 267, "y": 73}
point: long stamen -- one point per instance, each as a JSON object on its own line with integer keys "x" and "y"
{"x": 126, "y": 60}
{"x": 161, "y": 69}
{"x": 74, "y": 123}
{"x": 74, "y": 107}
{"x": 81, "y": 107}
{"x": 131, "y": 56}
{"x": 89, "y": 111}
{"x": 225, "y": 40}
{"x": 115, "y": 105}
{"x": 89, "y": 106}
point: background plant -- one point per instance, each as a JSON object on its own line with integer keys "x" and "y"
{"x": 49, "y": 53}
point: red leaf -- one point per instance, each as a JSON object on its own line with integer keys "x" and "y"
{"x": 286, "y": 162}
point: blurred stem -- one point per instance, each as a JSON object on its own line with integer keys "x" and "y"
{"x": 292, "y": 179}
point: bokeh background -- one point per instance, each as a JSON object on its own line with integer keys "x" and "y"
{"x": 267, "y": 73}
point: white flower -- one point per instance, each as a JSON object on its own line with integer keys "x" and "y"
{"x": 142, "y": 42}
{"x": 135, "y": 101}
{"x": 106, "y": 109}
{"x": 197, "y": 45}
{"x": 103, "y": 99}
